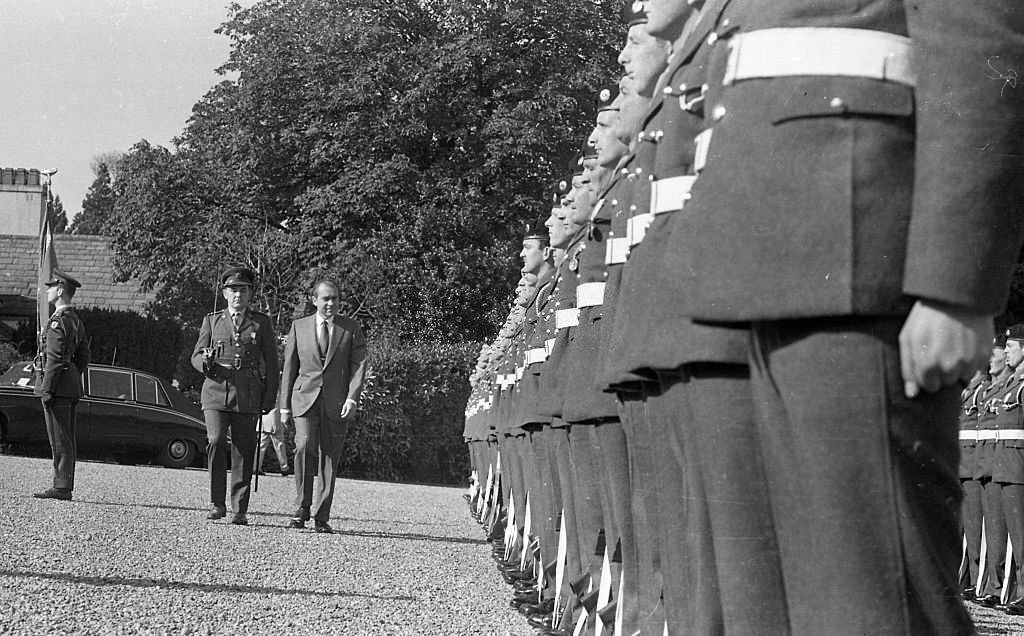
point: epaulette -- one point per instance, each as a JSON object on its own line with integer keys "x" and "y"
{"x": 215, "y": 313}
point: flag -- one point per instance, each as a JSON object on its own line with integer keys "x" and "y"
{"x": 47, "y": 260}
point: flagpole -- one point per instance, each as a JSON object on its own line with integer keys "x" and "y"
{"x": 47, "y": 261}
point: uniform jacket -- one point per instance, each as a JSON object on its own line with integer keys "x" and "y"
{"x": 244, "y": 374}
{"x": 66, "y": 356}
{"x": 1006, "y": 403}
{"x": 830, "y": 196}
{"x": 970, "y": 408}
{"x": 656, "y": 302}
{"x": 337, "y": 378}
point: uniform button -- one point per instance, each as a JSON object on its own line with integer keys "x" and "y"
{"x": 718, "y": 112}
{"x": 712, "y": 38}
{"x": 836, "y": 103}
{"x": 667, "y": 90}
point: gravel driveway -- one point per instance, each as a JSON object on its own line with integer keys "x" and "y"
{"x": 133, "y": 553}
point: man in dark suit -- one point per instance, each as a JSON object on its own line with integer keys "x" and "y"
{"x": 62, "y": 362}
{"x": 236, "y": 351}
{"x": 324, "y": 365}
{"x": 859, "y": 174}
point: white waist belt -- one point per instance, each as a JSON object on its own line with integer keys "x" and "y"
{"x": 549, "y": 346}
{"x": 637, "y": 228}
{"x": 589, "y": 295}
{"x": 992, "y": 434}
{"x": 567, "y": 318}
{"x": 820, "y": 51}
{"x": 616, "y": 250}
{"x": 536, "y": 355}
{"x": 669, "y": 195}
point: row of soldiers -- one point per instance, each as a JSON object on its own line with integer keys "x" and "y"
{"x": 992, "y": 476}
{"x": 725, "y": 398}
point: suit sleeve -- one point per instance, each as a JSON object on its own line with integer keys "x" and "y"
{"x": 272, "y": 366}
{"x": 201, "y": 343}
{"x": 83, "y": 355}
{"x": 966, "y": 224}
{"x": 289, "y": 370}
{"x": 357, "y": 364}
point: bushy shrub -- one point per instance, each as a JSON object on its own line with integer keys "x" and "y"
{"x": 412, "y": 413}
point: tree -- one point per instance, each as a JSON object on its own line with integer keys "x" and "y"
{"x": 58, "y": 217}
{"x": 98, "y": 204}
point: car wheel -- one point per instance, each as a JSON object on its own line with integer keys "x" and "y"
{"x": 177, "y": 453}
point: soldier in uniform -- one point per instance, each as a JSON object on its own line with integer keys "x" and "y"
{"x": 61, "y": 364}
{"x": 983, "y": 501}
{"x": 1008, "y": 405}
{"x": 856, "y": 205}
{"x": 237, "y": 353}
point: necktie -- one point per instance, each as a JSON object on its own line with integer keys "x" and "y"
{"x": 324, "y": 341}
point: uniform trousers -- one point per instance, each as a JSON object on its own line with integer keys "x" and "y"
{"x": 513, "y": 486}
{"x": 559, "y": 455}
{"x": 642, "y": 609}
{"x": 243, "y": 449}
{"x": 724, "y": 524}
{"x": 543, "y": 501}
{"x": 319, "y": 441}
{"x": 863, "y": 482}
{"x": 1013, "y": 512}
{"x": 59, "y": 414}
{"x": 971, "y": 515}
{"x": 587, "y": 501}
{"x": 613, "y": 470}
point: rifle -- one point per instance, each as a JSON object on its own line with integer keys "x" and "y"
{"x": 256, "y": 459}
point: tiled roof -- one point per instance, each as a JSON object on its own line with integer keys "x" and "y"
{"x": 90, "y": 259}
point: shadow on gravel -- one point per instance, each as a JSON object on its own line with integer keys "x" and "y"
{"x": 199, "y": 587}
{"x": 140, "y": 505}
{"x": 413, "y": 537}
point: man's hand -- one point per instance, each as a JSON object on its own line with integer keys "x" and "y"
{"x": 940, "y": 344}
{"x": 347, "y": 408}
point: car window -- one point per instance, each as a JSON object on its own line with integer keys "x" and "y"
{"x": 116, "y": 385}
{"x": 148, "y": 390}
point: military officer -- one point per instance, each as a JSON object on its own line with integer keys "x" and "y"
{"x": 236, "y": 351}
{"x": 61, "y": 364}
{"x": 867, "y": 234}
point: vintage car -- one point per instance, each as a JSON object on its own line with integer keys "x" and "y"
{"x": 126, "y": 415}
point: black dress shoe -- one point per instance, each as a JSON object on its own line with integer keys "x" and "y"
{"x": 240, "y": 519}
{"x": 286, "y": 471}
{"x": 323, "y": 527}
{"x": 540, "y": 621}
{"x": 533, "y": 609}
{"x": 302, "y": 514}
{"x": 217, "y": 512}
{"x": 989, "y": 600}
{"x": 1016, "y": 607}
{"x": 296, "y": 523}
{"x": 64, "y": 494}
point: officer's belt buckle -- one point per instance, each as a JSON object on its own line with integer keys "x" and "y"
{"x": 1009, "y": 433}
{"x": 670, "y": 194}
{"x": 825, "y": 51}
{"x": 549, "y": 346}
{"x": 970, "y": 436}
{"x": 535, "y": 355}
{"x": 589, "y": 295}
{"x": 567, "y": 318}
{"x": 616, "y": 250}
{"x": 636, "y": 228}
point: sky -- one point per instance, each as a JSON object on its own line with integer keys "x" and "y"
{"x": 79, "y": 78}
